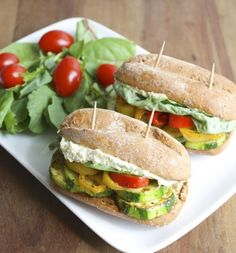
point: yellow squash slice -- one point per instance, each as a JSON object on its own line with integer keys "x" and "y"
{"x": 81, "y": 169}
{"x": 194, "y": 136}
{"x": 123, "y": 107}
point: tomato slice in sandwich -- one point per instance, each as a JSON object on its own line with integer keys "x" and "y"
{"x": 160, "y": 119}
{"x": 177, "y": 121}
{"x": 129, "y": 181}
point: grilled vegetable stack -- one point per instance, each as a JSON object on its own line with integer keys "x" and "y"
{"x": 114, "y": 168}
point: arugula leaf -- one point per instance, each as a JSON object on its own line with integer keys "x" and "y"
{"x": 107, "y": 50}
{"x": 19, "y": 109}
{"x": 55, "y": 144}
{"x": 2, "y": 91}
{"x": 6, "y": 101}
{"x": 10, "y": 122}
{"x": 30, "y": 75}
{"x": 96, "y": 94}
{"x": 41, "y": 78}
{"x": 38, "y": 102}
{"x": 28, "y": 53}
{"x": 51, "y": 60}
{"x": 84, "y": 32}
{"x": 56, "y": 112}
{"x": 16, "y": 120}
{"x": 14, "y": 89}
{"x": 78, "y": 100}
{"x": 110, "y": 98}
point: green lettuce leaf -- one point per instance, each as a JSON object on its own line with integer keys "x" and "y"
{"x": 107, "y": 50}
{"x": 76, "y": 49}
{"x": 105, "y": 98}
{"x": 37, "y": 104}
{"x": 19, "y": 109}
{"x": 28, "y": 53}
{"x": 78, "y": 99}
{"x": 18, "y": 119}
{"x": 56, "y": 112}
{"x": 84, "y": 32}
{"x": 6, "y": 100}
{"x": 11, "y": 123}
{"x": 96, "y": 94}
{"x": 110, "y": 98}
{"x": 37, "y": 79}
{"x": 149, "y": 100}
{"x": 50, "y": 60}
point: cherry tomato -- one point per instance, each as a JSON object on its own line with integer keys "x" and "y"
{"x": 177, "y": 121}
{"x": 129, "y": 181}
{"x": 11, "y": 75}
{"x": 67, "y": 76}
{"x": 7, "y": 59}
{"x": 160, "y": 119}
{"x": 54, "y": 41}
{"x": 105, "y": 74}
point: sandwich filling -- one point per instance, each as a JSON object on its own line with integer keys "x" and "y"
{"x": 136, "y": 192}
{"x": 193, "y": 128}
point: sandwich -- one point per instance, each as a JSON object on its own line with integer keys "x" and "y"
{"x": 199, "y": 115}
{"x": 115, "y": 169}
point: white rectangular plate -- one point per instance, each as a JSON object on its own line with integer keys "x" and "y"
{"x": 212, "y": 183}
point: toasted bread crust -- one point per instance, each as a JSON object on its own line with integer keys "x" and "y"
{"x": 109, "y": 206}
{"x": 123, "y": 137}
{"x": 182, "y": 82}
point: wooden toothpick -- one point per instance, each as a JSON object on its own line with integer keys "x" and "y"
{"x": 149, "y": 123}
{"x": 212, "y": 75}
{"x": 94, "y": 115}
{"x": 159, "y": 55}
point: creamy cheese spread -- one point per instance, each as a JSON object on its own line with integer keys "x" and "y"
{"x": 78, "y": 153}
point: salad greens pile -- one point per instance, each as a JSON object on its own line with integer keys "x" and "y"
{"x": 35, "y": 106}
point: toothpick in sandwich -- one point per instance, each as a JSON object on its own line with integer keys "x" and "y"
{"x": 159, "y": 55}
{"x": 149, "y": 123}
{"x": 212, "y": 75}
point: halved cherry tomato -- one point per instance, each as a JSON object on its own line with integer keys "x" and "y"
{"x": 54, "y": 41}
{"x": 160, "y": 119}
{"x": 11, "y": 75}
{"x": 128, "y": 180}
{"x": 7, "y": 59}
{"x": 67, "y": 76}
{"x": 105, "y": 74}
{"x": 177, "y": 121}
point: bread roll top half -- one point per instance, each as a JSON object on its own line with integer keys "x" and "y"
{"x": 123, "y": 137}
{"x": 182, "y": 82}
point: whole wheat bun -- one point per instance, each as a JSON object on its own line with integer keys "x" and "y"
{"x": 182, "y": 82}
{"x": 109, "y": 206}
{"x": 123, "y": 137}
